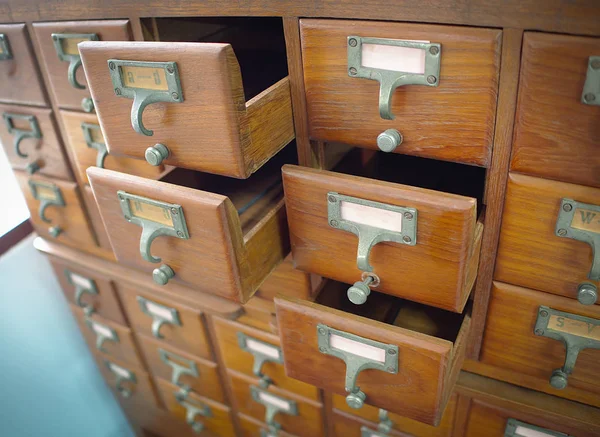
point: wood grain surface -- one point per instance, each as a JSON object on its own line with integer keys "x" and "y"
{"x": 46, "y": 151}
{"x": 21, "y": 82}
{"x": 214, "y": 129}
{"x": 530, "y": 254}
{"x": 97, "y": 223}
{"x": 452, "y": 122}
{"x": 435, "y": 271}
{"x": 251, "y": 427}
{"x": 287, "y": 280}
{"x": 65, "y": 96}
{"x": 556, "y": 136}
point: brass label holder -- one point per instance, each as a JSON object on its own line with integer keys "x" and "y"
{"x": 47, "y": 194}
{"x": 5, "y": 51}
{"x": 263, "y": 352}
{"x": 103, "y": 333}
{"x": 383, "y": 429}
{"x": 21, "y": 134}
{"x": 123, "y": 375}
{"x": 73, "y": 57}
{"x": 193, "y": 409}
{"x": 189, "y": 368}
{"x": 516, "y": 428}
{"x": 591, "y": 88}
{"x": 100, "y": 147}
{"x": 160, "y": 315}
{"x": 82, "y": 285}
{"x": 273, "y": 404}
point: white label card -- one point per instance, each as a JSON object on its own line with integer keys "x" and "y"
{"x": 370, "y": 216}
{"x": 102, "y": 330}
{"x": 394, "y": 58}
{"x": 262, "y": 348}
{"x": 523, "y": 431}
{"x": 160, "y": 311}
{"x": 118, "y": 370}
{"x": 272, "y": 400}
{"x": 81, "y": 281}
{"x": 354, "y": 347}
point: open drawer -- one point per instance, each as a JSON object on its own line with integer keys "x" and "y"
{"x": 405, "y": 361}
{"x": 214, "y": 234}
{"x": 183, "y": 104}
{"x": 418, "y": 244}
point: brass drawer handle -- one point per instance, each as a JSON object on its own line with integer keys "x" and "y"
{"x": 103, "y": 333}
{"x": 82, "y": 285}
{"x": 263, "y": 352}
{"x": 21, "y": 134}
{"x": 123, "y": 375}
{"x": 88, "y": 129}
{"x": 189, "y": 368}
{"x": 516, "y": 428}
{"x": 591, "y": 88}
{"x": 5, "y": 51}
{"x": 193, "y": 409}
{"x": 66, "y": 49}
{"x": 383, "y": 429}
{"x": 48, "y": 194}
{"x": 160, "y": 314}
{"x": 273, "y": 404}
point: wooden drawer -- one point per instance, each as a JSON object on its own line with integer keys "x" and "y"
{"x": 243, "y": 349}
{"x": 451, "y": 119}
{"x": 399, "y": 423}
{"x": 31, "y": 143}
{"x": 21, "y": 81}
{"x": 236, "y": 230}
{"x": 410, "y": 354}
{"x": 85, "y": 139}
{"x": 295, "y": 415}
{"x": 251, "y": 427}
{"x": 437, "y": 236}
{"x": 73, "y": 93}
{"x": 181, "y": 368}
{"x": 175, "y": 324}
{"x": 287, "y": 280}
{"x": 552, "y": 120}
{"x": 202, "y": 118}
{"x": 96, "y": 222}
{"x": 65, "y": 217}
{"x": 213, "y": 418}
{"x": 107, "y": 338}
{"x": 260, "y": 314}
{"x": 527, "y": 359}
{"x": 532, "y": 254}
{"x": 89, "y": 290}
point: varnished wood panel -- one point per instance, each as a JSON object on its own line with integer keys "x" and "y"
{"x": 289, "y": 281}
{"x": 66, "y": 96}
{"x": 346, "y": 425}
{"x": 214, "y": 129}
{"x": 46, "y": 151}
{"x": 452, "y": 122}
{"x": 260, "y": 314}
{"x": 530, "y": 254}
{"x": 251, "y": 427}
{"x": 21, "y": 81}
{"x": 97, "y": 223}
{"x": 434, "y": 271}
{"x": 528, "y": 360}
{"x": 556, "y": 135}
{"x": 189, "y": 337}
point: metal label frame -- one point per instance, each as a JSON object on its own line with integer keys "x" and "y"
{"x": 101, "y": 148}
{"x": 74, "y": 60}
{"x": 390, "y": 80}
{"x": 513, "y": 424}
{"x": 591, "y": 89}
{"x": 101, "y": 338}
{"x": 79, "y": 290}
{"x": 271, "y": 409}
{"x": 193, "y": 409}
{"x": 259, "y": 358}
{"x": 131, "y": 378}
{"x": 5, "y": 46}
{"x": 157, "y": 320}
{"x": 21, "y": 134}
{"x": 190, "y": 367}
{"x": 368, "y": 432}
{"x": 44, "y": 201}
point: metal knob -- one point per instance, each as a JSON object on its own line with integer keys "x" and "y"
{"x": 87, "y": 104}
{"x": 156, "y": 154}
{"x": 356, "y": 400}
{"x": 559, "y": 379}
{"x": 388, "y": 140}
{"x": 359, "y": 292}
{"x": 587, "y": 293}
{"x": 162, "y": 274}
{"x": 55, "y": 231}
{"x": 32, "y": 167}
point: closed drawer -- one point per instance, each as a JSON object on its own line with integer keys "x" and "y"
{"x": 419, "y": 244}
{"x": 89, "y": 290}
{"x": 173, "y": 323}
{"x": 251, "y": 427}
{"x": 85, "y": 139}
{"x": 21, "y": 81}
{"x": 31, "y": 143}
{"x": 108, "y": 339}
{"x": 346, "y": 425}
{"x": 205, "y": 417}
{"x": 412, "y": 350}
{"x": 526, "y": 355}
{"x": 533, "y": 254}
{"x": 219, "y": 235}
{"x": 201, "y": 117}
{"x": 453, "y": 92}
{"x": 96, "y": 222}
{"x": 57, "y": 211}
{"x": 276, "y": 407}
{"x": 259, "y": 313}
{"x": 554, "y": 119}
{"x": 182, "y": 368}
{"x": 57, "y": 43}
{"x": 256, "y": 353}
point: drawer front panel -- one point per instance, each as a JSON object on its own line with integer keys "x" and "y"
{"x": 21, "y": 81}
{"x": 66, "y": 94}
{"x": 552, "y": 120}
{"x": 251, "y": 427}
{"x": 438, "y": 270}
{"x": 511, "y": 344}
{"x": 181, "y": 368}
{"x": 287, "y": 280}
{"x": 96, "y": 222}
{"x": 343, "y": 108}
{"x": 531, "y": 254}
{"x": 31, "y": 143}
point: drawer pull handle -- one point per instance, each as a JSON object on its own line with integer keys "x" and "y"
{"x": 263, "y": 352}
{"x": 581, "y": 222}
{"x": 373, "y": 223}
{"x": 145, "y": 83}
{"x": 189, "y": 368}
{"x": 32, "y": 168}
{"x": 5, "y": 51}
{"x": 591, "y": 88}
{"x": 103, "y": 333}
{"x": 156, "y": 154}
{"x": 193, "y": 409}
{"x": 351, "y": 349}
{"x": 389, "y": 140}
{"x": 383, "y": 429}
{"x": 82, "y": 285}
{"x": 389, "y": 79}
{"x": 48, "y": 194}
{"x": 21, "y": 134}
{"x": 160, "y": 314}
{"x": 273, "y": 405}
{"x": 123, "y": 375}
{"x": 67, "y": 51}
{"x": 576, "y": 332}
{"x": 516, "y": 428}
{"x": 100, "y": 147}
{"x": 156, "y": 218}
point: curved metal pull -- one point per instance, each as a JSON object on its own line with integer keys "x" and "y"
{"x": 273, "y": 405}
{"x": 88, "y": 133}
{"x": 390, "y": 80}
{"x": 194, "y": 409}
{"x": 5, "y": 51}
{"x": 103, "y": 333}
{"x": 82, "y": 285}
{"x": 65, "y": 45}
{"x": 160, "y": 314}
{"x": 383, "y": 429}
{"x": 263, "y": 352}
{"x": 48, "y": 194}
{"x": 591, "y": 88}
{"x": 123, "y": 375}
{"x": 189, "y": 368}
{"x": 21, "y": 134}
{"x": 74, "y": 65}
